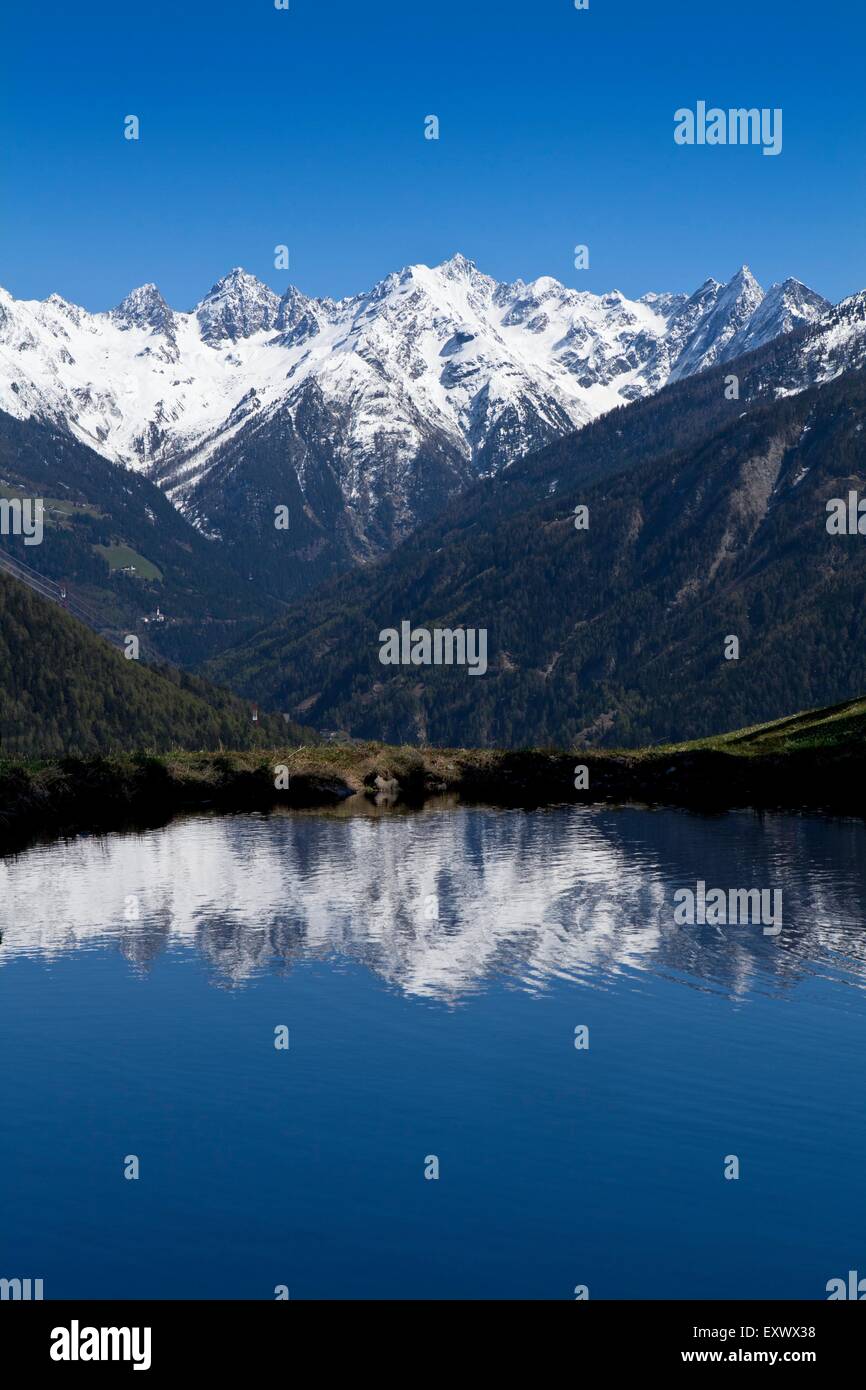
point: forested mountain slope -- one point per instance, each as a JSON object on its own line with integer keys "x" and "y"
{"x": 707, "y": 520}
{"x": 64, "y": 690}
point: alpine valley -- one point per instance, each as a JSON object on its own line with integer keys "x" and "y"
{"x": 426, "y": 443}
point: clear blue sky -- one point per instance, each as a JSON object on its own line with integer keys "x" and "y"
{"x": 305, "y": 127}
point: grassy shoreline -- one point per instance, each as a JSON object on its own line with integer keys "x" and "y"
{"x": 810, "y": 761}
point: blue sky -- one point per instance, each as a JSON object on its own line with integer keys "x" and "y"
{"x": 305, "y": 127}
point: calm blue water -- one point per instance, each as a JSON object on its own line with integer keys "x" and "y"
{"x": 143, "y": 976}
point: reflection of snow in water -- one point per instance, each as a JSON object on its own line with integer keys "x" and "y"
{"x": 439, "y": 902}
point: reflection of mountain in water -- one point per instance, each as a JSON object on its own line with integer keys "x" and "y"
{"x": 440, "y": 902}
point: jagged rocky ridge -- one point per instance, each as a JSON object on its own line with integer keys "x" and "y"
{"x": 361, "y": 416}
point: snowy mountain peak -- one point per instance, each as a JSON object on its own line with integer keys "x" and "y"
{"x": 298, "y": 318}
{"x": 783, "y": 308}
{"x": 237, "y": 306}
{"x": 713, "y": 319}
{"x": 458, "y": 265}
{"x": 797, "y": 298}
{"x": 742, "y": 287}
{"x": 237, "y": 280}
{"x": 56, "y": 304}
{"x": 145, "y": 308}
{"x": 544, "y": 284}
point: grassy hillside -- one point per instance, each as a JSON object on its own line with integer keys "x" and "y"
{"x": 63, "y": 690}
{"x": 837, "y": 731}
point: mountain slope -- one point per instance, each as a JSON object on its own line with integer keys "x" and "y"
{"x": 706, "y": 520}
{"x": 64, "y": 690}
{"x": 113, "y": 539}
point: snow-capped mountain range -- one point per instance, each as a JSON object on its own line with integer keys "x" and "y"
{"x": 378, "y": 406}
{"x": 143, "y": 382}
